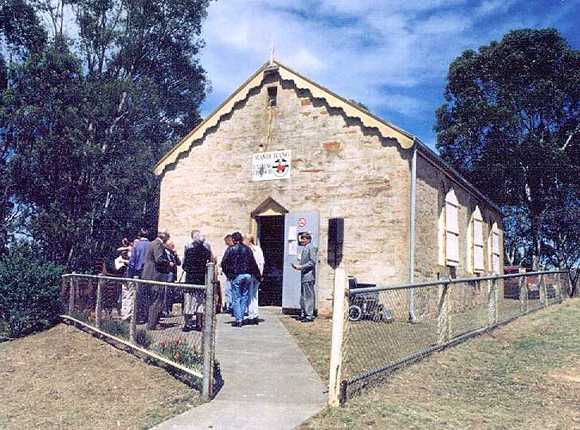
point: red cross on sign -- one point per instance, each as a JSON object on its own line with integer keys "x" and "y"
{"x": 280, "y": 166}
{"x": 301, "y": 222}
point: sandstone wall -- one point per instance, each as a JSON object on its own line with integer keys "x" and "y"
{"x": 432, "y": 186}
{"x": 339, "y": 168}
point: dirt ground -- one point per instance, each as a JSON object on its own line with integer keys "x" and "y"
{"x": 525, "y": 375}
{"x": 64, "y": 378}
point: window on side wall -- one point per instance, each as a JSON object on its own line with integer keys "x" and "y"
{"x": 494, "y": 249}
{"x": 451, "y": 229}
{"x": 477, "y": 229}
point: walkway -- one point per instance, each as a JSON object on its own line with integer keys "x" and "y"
{"x": 268, "y": 382}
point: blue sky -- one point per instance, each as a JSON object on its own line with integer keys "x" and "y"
{"x": 390, "y": 55}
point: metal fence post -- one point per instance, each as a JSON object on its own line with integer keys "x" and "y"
{"x": 133, "y": 286}
{"x": 71, "y": 294}
{"x": 443, "y": 327}
{"x": 338, "y": 317}
{"x": 98, "y": 305}
{"x": 492, "y": 300}
{"x": 208, "y": 329}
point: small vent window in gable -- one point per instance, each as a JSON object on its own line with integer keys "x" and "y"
{"x": 272, "y": 96}
{"x": 451, "y": 229}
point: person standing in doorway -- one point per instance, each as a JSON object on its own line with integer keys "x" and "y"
{"x": 156, "y": 268}
{"x": 307, "y": 267}
{"x": 239, "y": 266}
{"x": 195, "y": 259}
{"x": 253, "y": 317}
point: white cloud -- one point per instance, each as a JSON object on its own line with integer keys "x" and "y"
{"x": 382, "y": 54}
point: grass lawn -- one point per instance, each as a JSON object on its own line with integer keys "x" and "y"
{"x": 523, "y": 376}
{"x": 64, "y": 378}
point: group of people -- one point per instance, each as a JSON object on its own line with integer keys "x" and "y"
{"x": 242, "y": 265}
{"x": 155, "y": 260}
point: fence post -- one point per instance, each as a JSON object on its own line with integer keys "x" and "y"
{"x": 523, "y": 295}
{"x": 542, "y": 287}
{"x": 207, "y": 339}
{"x": 72, "y": 294}
{"x": 443, "y": 328}
{"x": 99, "y": 305}
{"x": 133, "y": 286}
{"x": 492, "y": 302}
{"x": 558, "y": 286}
{"x": 338, "y": 316}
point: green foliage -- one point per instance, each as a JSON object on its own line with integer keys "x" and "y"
{"x": 143, "y": 339}
{"x": 181, "y": 352}
{"x": 85, "y": 120}
{"x": 116, "y": 328}
{"x": 29, "y": 291}
{"x": 511, "y": 125}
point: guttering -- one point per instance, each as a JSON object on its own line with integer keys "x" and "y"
{"x": 412, "y": 226}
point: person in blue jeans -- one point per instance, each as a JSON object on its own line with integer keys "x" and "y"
{"x": 239, "y": 266}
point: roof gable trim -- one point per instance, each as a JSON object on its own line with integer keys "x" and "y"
{"x": 386, "y": 129}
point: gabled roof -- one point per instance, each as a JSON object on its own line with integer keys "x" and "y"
{"x": 387, "y": 130}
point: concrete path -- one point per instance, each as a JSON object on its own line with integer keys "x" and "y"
{"x": 268, "y": 382}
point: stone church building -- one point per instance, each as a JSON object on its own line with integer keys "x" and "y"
{"x": 283, "y": 155}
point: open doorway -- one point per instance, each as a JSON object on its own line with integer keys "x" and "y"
{"x": 271, "y": 238}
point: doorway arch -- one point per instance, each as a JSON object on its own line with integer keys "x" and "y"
{"x": 268, "y": 221}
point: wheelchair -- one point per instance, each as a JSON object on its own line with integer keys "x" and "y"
{"x": 366, "y": 306}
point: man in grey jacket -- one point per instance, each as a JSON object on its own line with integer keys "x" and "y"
{"x": 155, "y": 268}
{"x": 307, "y": 267}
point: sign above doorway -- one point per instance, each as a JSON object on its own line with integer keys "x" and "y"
{"x": 269, "y": 166}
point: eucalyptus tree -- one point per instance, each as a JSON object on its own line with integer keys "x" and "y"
{"x": 117, "y": 83}
{"x": 510, "y": 124}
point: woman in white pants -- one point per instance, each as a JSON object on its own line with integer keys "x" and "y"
{"x": 255, "y": 284}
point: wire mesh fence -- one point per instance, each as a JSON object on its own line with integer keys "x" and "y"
{"x": 390, "y": 326}
{"x": 154, "y": 318}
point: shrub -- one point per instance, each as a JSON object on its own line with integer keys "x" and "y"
{"x": 29, "y": 291}
{"x": 116, "y": 328}
{"x": 181, "y": 352}
{"x": 143, "y": 339}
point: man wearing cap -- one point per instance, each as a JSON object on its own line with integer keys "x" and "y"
{"x": 307, "y": 267}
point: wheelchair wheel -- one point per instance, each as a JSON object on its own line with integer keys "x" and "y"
{"x": 354, "y": 313}
{"x": 378, "y": 313}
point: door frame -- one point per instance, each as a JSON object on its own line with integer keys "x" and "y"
{"x": 268, "y": 207}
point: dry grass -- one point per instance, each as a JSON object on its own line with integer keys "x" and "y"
{"x": 523, "y": 376}
{"x": 314, "y": 339}
{"x": 64, "y": 378}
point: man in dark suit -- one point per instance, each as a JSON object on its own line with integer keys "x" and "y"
{"x": 307, "y": 267}
{"x": 156, "y": 268}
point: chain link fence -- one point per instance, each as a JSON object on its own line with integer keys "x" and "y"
{"x": 388, "y": 327}
{"x": 154, "y": 319}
